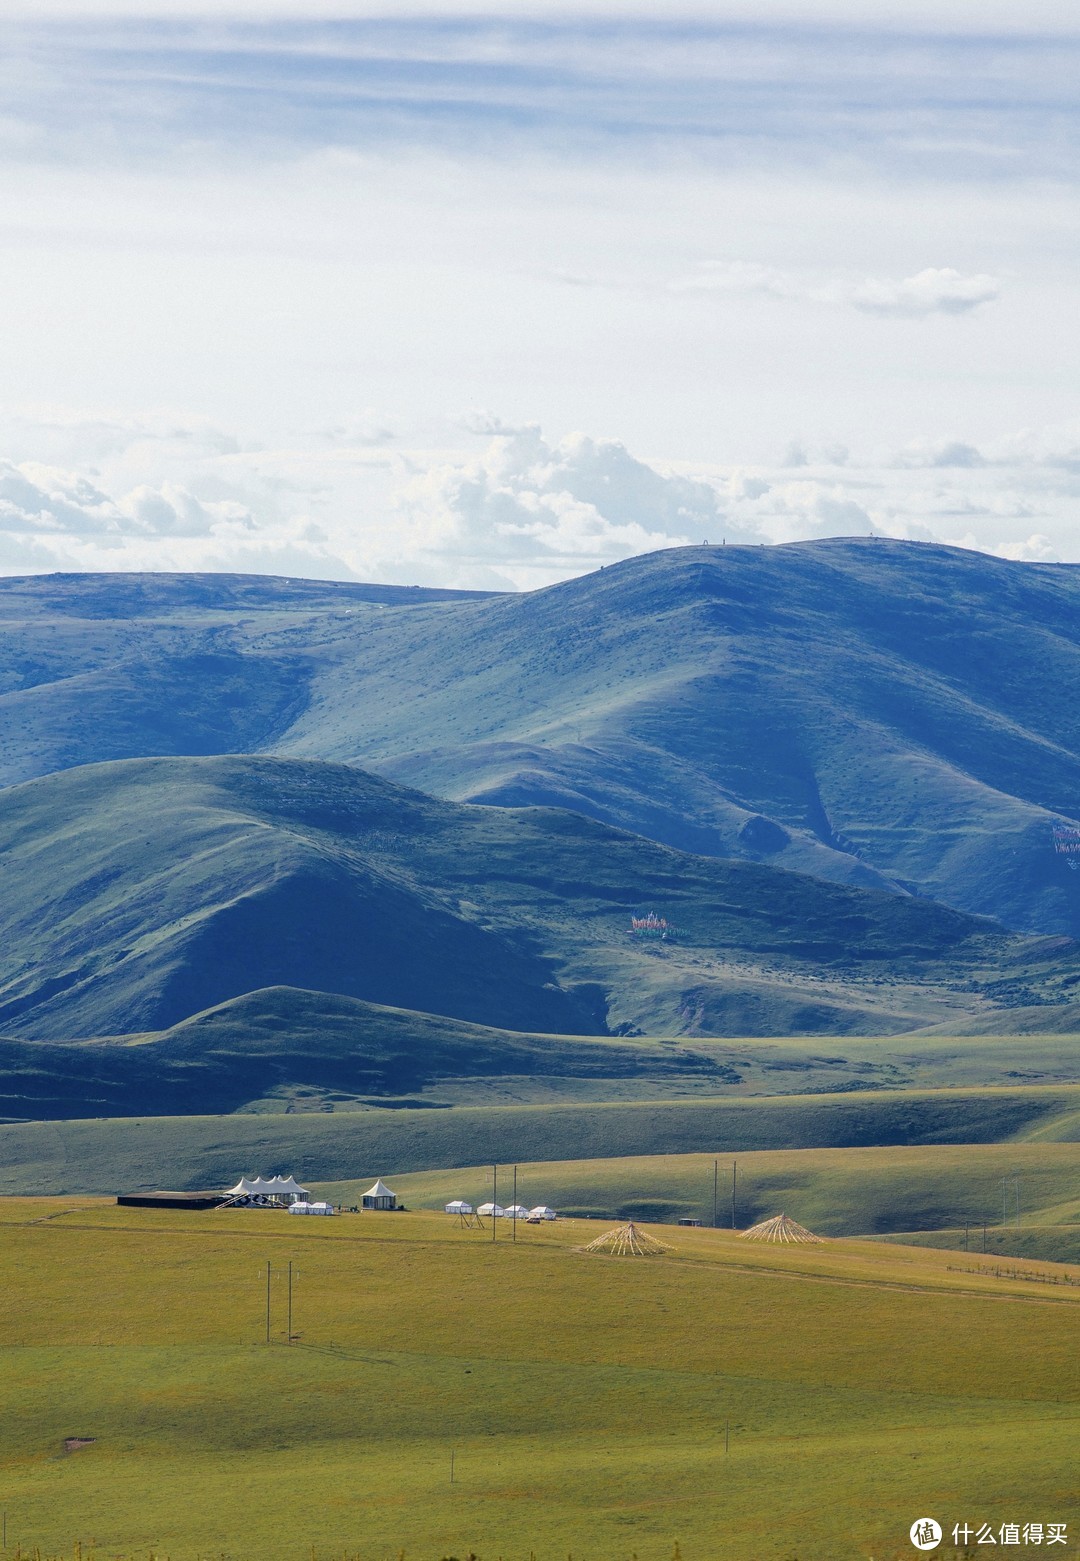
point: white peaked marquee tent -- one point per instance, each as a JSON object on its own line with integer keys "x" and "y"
{"x": 516, "y": 1211}
{"x": 459, "y": 1206}
{"x": 286, "y": 1188}
{"x": 379, "y": 1196}
{"x": 541, "y": 1212}
{"x": 495, "y": 1209}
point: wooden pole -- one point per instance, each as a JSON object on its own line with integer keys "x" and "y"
{"x": 715, "y": 1184}
{"x": 451, "y": 1466}
{"x": 513, "y": 1217}
{"x": 494, "y": 1198}
{"x": 290, "y": 1301}
{"x": 734, "y": 1164}
{"x": 268, "y": 1300}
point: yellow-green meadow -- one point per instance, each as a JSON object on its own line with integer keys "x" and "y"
{"x": 737, "y": 1401}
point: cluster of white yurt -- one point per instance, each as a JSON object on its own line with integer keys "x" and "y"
{"x": 516, "y": 1211}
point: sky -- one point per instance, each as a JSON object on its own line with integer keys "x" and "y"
{"x": 490, "y": 296}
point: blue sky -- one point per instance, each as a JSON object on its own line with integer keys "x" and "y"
{"x": 494, "y": 298}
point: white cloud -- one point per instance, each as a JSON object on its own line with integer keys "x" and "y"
{"x": 529, "y": 507}
{"x": 1035, "y": 549}
{"x": 936, "y": 290}
{"x": 525, "y": 511}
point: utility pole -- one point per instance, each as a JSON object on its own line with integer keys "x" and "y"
{"x": 290, "y": 1300}
{"x": 513, "y": 1217}
{"x": 1018, "y": 1200}
{"x": 268, "y": 1300}
{"x": 494, "y": 1198}
{"x": 715, "y": 1176}
{"x": 734, "y": 1165}
{"x": 1004, "y": 1200}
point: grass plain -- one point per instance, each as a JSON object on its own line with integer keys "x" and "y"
{"x": 735, "y": 1401}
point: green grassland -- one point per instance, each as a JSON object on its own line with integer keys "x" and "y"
{"x": 118, "y": 1154}
{"x": 920, "y": 1189}
{"x": 587, "y": 1400}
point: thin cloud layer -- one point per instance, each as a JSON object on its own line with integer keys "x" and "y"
{"x": 807, "y": 278}
{"x": 936, "y": 290}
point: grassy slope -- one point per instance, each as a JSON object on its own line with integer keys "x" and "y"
{"x": 138, "y": 894}
{"x": 866, "y": 710}
{"x": 189, "y": 1152}
{"x": 281, "y": 1048}
{"x": 585, "y": 1398}
{"x": 834, "y": 1192}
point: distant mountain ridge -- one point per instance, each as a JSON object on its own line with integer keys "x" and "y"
{"x": 879, "y": 713}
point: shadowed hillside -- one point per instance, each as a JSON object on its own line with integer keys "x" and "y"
{"x": 872, "y": 712}
{"x": 141, "y": 893}
{"x": 288, "y": 1049}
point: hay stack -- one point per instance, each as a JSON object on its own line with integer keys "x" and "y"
{"x": 628, "y": 1241}
{"x": 780, "y": 1228}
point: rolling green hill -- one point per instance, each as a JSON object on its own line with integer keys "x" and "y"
{"x": 876, "y": 712}
{"x": 928, "y": 1189}
{"x": 141, "y": 893}
{"x": 286, "y": 1048}
{"x": 109, "y": 1155}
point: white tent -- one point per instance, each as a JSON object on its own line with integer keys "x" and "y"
{"x": 492, "y": 1208}
{"x": 459, "y": 1207}
{"x": 379, "y": 1196}
{"x": 301, "y": 1207}
{"x": 516, "y": 1211}
{"x": 284, "y": 1187}
{"x": 542, "y": 1212}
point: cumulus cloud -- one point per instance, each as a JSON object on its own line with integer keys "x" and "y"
{"x": 1034, "y": 549}
{"x": 936, "y": 290}
{"x": 524, "y": 511}
{"x": 51, "y": 518}
{"x": 41, "y": 500}
{"x": 567, "y": 506}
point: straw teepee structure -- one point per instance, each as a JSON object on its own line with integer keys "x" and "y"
{"x": 628, "y": 1241}
{"x": 780, "y": 1228}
